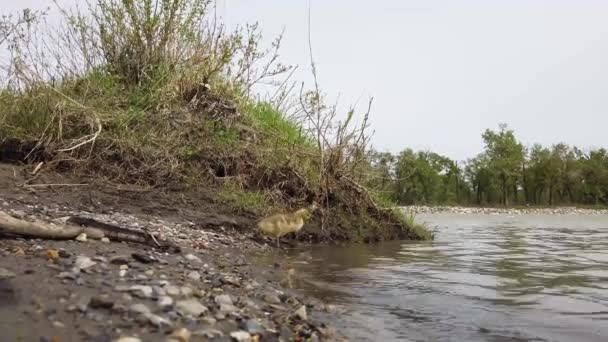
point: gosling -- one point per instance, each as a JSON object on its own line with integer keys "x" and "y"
{"x": 282, "y": 224}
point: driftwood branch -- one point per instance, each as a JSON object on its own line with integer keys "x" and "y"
{"x": 14, "y": 226}
{"x": 77, "y": 225}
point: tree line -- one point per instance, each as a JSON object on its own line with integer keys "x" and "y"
{"x": 506, "y": 173}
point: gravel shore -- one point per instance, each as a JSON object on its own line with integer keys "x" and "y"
{"x": 90, "y": 290}
{"x": 504, "y": 211}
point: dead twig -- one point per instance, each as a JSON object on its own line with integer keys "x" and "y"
{"x": 50, "y": 185}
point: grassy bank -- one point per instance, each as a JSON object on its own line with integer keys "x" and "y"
{"x": 158, "y": 94}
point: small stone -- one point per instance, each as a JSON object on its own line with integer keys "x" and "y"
{"x": 120, "y": 260}
{"x": 192, "y": 307}
{"x": 157, "y": 320}
{"x": 143, "y": 258}
{"x": 119, "y": 309}
{"x": 301, "y": 313}
{"x": 6, "y": 274}
{"x": 172, "y": 290}
{"x": 128, "y": 339}
{"x": 142, "y": 291}
{"x": 58, "y": 324}
{"x": 165, "y": 302}
{"x": 83, "y": 262}
{"x": 101, "y": 302}
{"x": 186, "y": 291}
{"x": 272, "y": 298}
{"x": 192, "y": 257}
{"x": 140, "y": 309}
{"x": 209, "y": 320}
{"x": 105, "y": 240}
{"x": 122, "y": 273}
{"x": 64, "y": 254}
{"x": 100, "y": 259}
{"x": 254, "y": 327}
{"x": 123, "y": 267}
{"x": 230, "y": 280}
{"x": 160, "y": 292}
{"x": 194, "y": 275}
{"x": 67, "y": 275}
{"x": 240, "y": 336}
{"x": 225, "y": 303}
{"x": 209, "y": 333}
{"x": 82, "y": 237}
{"x": 180, "y": 335}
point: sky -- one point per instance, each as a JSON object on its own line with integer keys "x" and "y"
{"x": 441, "y": 72}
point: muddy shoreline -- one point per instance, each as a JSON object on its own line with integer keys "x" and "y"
{"x": 503, "y": 211}
{"x": 104, "y": 291}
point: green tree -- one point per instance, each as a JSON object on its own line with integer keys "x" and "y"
{"x": 505, "y": 155}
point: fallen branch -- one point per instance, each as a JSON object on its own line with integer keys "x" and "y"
{"x": 94, "y": 229}
{"x": 14, "y": 226}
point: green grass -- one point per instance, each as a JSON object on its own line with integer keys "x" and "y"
{"x": 271, "y": 122}
{"x": 243, "y": 201}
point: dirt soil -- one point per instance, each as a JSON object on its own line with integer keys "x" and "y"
{"x": 111, "y": 291}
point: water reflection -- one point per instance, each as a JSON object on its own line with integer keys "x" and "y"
{"x": 485, "y": 278}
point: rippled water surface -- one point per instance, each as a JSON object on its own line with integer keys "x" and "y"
{"x": 484, "y": 278}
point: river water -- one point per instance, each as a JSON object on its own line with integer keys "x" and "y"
{"x": 484, "y": 278}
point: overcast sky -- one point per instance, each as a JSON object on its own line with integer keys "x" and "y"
{"x": 443, "y": 71}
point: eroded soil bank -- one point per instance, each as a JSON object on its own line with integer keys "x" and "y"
{"x": 104, "y": 291}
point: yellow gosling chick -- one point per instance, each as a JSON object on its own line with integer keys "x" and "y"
{"x": 282, "y": 224}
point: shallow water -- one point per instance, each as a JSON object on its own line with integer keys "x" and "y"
{"x": 484, "y": 278}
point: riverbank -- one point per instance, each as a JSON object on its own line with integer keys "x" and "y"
{"x": 503, "y": 211}
{"x": 104, "y": 291}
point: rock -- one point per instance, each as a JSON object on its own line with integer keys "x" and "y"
{"x": 286, "y": 333}
{"x": 64, "y": 254}
{"x": 231, "y": 280}
{"x": 225, "y": 303}
{"x": 272, "y": 298}
{"x": 254, "y": 327}
{"x": 209, "y": 320}
{"x": 82, "y": 262}
{"x": 120, "y": 260}
{"x": 142, "y": 291}
{"x": 240, "y": 336}
{"x": 100, "y": 259}
{"x": 143, "y": 258}
{"x": 301, "y": 313}
{"x": 186, "y": 291}
{"x": 157, "y": 320}
{"x": 172, "y": 290}
{"x": 180, "y": 335}
{"x": 67, "y": 275}
{"x": 105, "y": 240}
{"x": 6, "y": 274}
{"x": 82, "y": 237}
{"x": 128, "y": 339}
{"x": 58, "y": 324}
{"x": 192, "y": 257}
{"x": 165, "y": 302}
{"x": 209, "y": 333}
{"x": 122, "y": 273}
{"x": 192, "y": 307}
{"x": 140, "y": 309}
{"x": 101, "y": 302}
{"x": 194, "y": 275}
{"x": 160, "y": 292}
